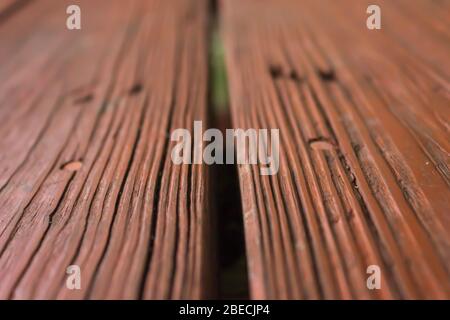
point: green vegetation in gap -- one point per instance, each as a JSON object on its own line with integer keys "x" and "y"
{"x": 218, "y": 74}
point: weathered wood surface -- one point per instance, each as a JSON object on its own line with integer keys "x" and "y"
{"x": 6, "y": 5}
{"x": 86, "y": 176}
{"x": 364, "y": 137}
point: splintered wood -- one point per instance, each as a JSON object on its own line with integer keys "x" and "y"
{"x": 86, "y": 177}
{"x": 364, "y": 145}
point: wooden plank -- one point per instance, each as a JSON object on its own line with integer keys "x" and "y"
{"x": 364, "y": 145}
{"x": 6, "y": 5}
{"x": 86, "y": 176}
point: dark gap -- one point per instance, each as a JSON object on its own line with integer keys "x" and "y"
{"x": 226, "y": 199}
{"x": 213, "y": 10}
{"x": 224, "y": 183}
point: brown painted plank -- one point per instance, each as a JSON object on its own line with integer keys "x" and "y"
{"x": 6, "y": 5}
{"x": 364, "y": 145}
{"x": 86, "y": 176}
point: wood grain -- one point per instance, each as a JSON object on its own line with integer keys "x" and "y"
{"x": 86, "y": 176}
{"x": 364, "y": 161}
